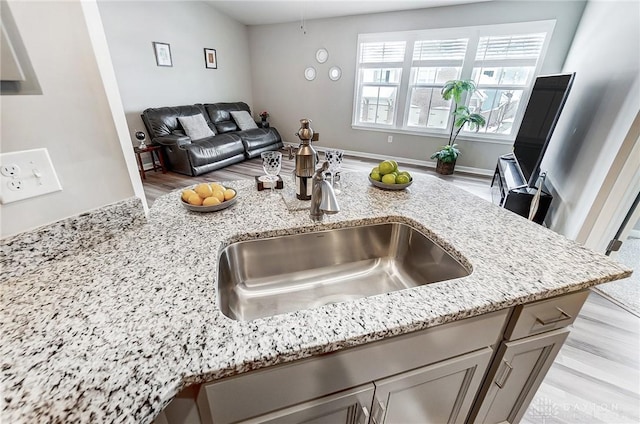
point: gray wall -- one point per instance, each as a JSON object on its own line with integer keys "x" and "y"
{"x": 189, "y": 27}
{"x": 280, "y": 53}
{"x": 599, "y": 111}
{"x": 71, "y": 119}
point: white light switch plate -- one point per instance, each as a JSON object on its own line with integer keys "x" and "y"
{"x": 25, "y": 174}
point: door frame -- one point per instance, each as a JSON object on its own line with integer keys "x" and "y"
{"x": 616, "y": 194}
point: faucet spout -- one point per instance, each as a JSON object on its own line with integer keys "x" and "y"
{"x": 323, "y": 198}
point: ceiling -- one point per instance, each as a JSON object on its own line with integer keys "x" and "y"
{"x": 276, "y": 11}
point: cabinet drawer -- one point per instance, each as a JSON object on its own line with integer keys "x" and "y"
{"x": 545, "y": 315}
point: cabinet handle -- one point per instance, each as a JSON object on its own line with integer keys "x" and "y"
{"x": 378, "y": 411}
{"x": 563, "y": 317}
{"x": 363, "y": 417}
{"x": 506, "y": 372}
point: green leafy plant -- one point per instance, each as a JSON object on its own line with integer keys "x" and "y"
{"x": 447, "y": 154}
{"x": 455, "y": 89}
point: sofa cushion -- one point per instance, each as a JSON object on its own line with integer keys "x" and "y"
{"x": 164, "y": 120}
{"x": 243, "y": 119}
{"x": 213, "y": 149}
{"x": 220, "y": 116}
{"x": 195, "y": 127}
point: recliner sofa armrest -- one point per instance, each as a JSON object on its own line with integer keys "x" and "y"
{"x": 172, "y": 140}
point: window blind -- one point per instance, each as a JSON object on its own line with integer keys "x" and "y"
{"x": 453, "y": 49}
{"x": 528, "y": 46}
{"x": 382, "y": 52}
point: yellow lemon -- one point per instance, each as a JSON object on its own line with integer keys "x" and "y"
{"x": 219, "y": 195}
{"x": 216, "y": 186}
{"x": 211, "y": 201}
{"x": 229, "y": 194}
{"x": 395, "y": 165}
{"x": 195, "y": 200}
{"x": 186, "y": 194}
{"x": 375, "y": 176}
{"x": 204, "y": 190}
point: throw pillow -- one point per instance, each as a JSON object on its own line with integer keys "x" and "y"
{"x": 195, "y": 127}
{"x": 243, "y": 119}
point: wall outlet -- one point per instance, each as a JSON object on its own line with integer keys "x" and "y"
{"x": 15, "y": 184}
{"x": 25, "y": 174}
{"x": 390, "y": 139}
{"x": 10, "y": 170}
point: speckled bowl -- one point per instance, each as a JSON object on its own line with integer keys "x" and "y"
{"x": 390, "y": 186}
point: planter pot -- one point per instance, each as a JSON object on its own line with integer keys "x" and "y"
{"x": 445, "y": 168}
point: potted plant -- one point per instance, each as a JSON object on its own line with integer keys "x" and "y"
{"x": 448, "y": 154}
{"x": 264, "y": 116}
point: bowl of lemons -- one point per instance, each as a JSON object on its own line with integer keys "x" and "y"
{"x": 208, "y": 197}
{"x": 387, "y": 176}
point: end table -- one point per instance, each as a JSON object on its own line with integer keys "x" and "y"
{"x": 154, "y": 152}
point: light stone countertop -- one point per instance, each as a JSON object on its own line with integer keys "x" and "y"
{"x": 116, "y": 328}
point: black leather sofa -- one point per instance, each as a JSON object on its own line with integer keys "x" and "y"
{"x": 195, "y": 157}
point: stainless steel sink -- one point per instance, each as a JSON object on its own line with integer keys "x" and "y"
{"x": 264, "y": 277}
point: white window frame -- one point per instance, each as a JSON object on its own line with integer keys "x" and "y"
{"x": 473, "y": 34}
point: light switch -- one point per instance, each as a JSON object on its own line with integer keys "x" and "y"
{"x": 25, "y": 174}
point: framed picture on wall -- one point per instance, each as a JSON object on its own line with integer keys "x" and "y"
{"x": 210, "y": 60}
{"x": 163, "y": 54}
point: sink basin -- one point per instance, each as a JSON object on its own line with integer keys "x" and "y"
{"x": 264, "y": 277}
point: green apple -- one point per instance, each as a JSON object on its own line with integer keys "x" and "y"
{"x": 389, "y": 179}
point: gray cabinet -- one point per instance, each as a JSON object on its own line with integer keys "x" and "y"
{"x": 484, "y": 369}
{"x": 348, "y": 407}
{"x": 521, "y": 367}
{"x": 302, "y": 390}
{"x": 439, "y": 393}
{"x": 533, "y": 337}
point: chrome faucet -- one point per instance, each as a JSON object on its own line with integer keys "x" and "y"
{"x": 323, "y": 198}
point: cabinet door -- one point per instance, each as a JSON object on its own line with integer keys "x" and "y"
{"x": 521, "y": 367}
{"x": 348, "y": 407}
{"x": 438, "y": 393}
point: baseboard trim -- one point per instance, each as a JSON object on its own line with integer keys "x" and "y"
{"x": 424, "y": 163}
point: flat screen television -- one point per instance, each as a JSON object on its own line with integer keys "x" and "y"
{"x": 547, "y": 99}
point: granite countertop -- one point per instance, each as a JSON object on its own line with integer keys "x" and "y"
{"x": 113, "y": 330}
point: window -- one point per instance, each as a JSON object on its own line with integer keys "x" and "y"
{"x": 379, "y": 76}
{"x": 400, "y": 75}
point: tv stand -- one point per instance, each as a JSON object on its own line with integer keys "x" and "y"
{"x": 510, "y": 191}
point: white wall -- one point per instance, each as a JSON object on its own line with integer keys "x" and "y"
{"x": 280, "y": 53}
{"x": 189, "y": 27}
{"x": 71, "y": 119}
{"x": 603, "y": 102}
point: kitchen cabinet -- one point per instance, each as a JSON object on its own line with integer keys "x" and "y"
{"x": 534, "y": 336}
{"x": 347, "y": 407}
{"x": 439, "y": 393}
{"x": 484, "y": 369}
{"x": 522, "y": 365}
{"x": 443, "y": 363}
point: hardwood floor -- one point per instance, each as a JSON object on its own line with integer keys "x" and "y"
{"x": 596, "y": 376}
